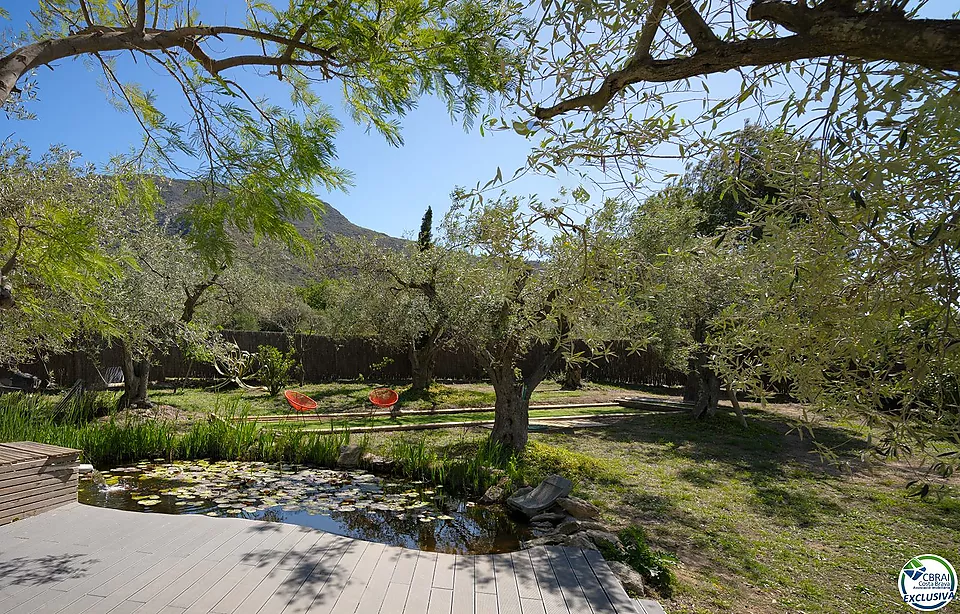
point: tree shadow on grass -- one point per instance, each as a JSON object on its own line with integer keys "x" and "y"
{"x": 765, "y": 446}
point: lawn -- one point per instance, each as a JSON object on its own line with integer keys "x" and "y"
{"x": 756, "y": 520}
{"x": 350, "y": 396}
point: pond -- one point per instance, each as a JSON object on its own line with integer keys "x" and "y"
{"x": 352, "y": 503}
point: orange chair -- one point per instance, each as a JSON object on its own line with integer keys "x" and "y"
{"x": 299, "y": 401}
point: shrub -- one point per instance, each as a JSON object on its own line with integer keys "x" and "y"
{"x": 653, "y": 566}
{"x": 540, "y": 460}
{"x": 274, "y": 368}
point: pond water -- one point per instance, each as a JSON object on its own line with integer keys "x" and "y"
{"x": 352, "y": 503}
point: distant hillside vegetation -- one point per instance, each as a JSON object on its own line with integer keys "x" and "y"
{"x": 178, "y": 193}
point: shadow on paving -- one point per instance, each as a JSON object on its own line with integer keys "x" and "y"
{"x": 47, "y": 569}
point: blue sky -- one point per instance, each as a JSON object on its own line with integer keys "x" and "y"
{"x": 392, "y": 187}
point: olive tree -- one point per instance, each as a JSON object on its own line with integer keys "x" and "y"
{"x": 51, "y": 249}
{"x": 407, "y": 297}
{"x": 540, "y": 279}
{"x": 259, "y": 161}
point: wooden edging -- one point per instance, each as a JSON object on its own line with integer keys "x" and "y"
{"x": 415, "y": 412}
{"x": 386, "y": 428}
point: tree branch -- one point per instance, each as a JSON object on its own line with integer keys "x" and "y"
{"x": 101, "y": 39}
{"x": 141, "y": 14}
{"x": 693, "y": 24}
{"x": 878, "y": 35}
{"x": 649, "y": 31}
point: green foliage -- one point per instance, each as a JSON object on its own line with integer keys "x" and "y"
{"x": 52, "y": 260}
{"x": 316, "y": 294}
{"x": 653, "y": 566}
{"x": 258, "y": 161}
{"x": 540, "y": 460}
{"x": 275, "y": 367}
{"x": 425, "y": 236}
{"x": 124, "y": 438}
{"x": 476, "y": 467}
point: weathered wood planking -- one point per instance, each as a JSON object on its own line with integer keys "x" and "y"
{"x": 35, "y": 477}
{"x": 127, "y": 562}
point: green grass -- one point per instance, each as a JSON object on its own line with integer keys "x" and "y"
{"x": 752, "y": 518}
{"x": 123, "y": 438}
{"x": 352, "y": 396}
{"x": 326, "y": 424}
{"x": 755, "y": 521}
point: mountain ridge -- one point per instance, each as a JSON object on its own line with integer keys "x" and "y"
{"x": 177, "y": 194}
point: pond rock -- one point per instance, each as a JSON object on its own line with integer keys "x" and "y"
{"x": 542, "y": 497}
{"x": 548, "y": 517}
{"x": 349, "y": 455}
{"x": 496, "y": 493}
{"x": 569, "y": 527}
{"x": 378, "y": 463}
{"x": 578, "y": 508}
{"x": 629, "y": 577}
{"x": 603, "y": 537}
{"x": 578, "y": 540}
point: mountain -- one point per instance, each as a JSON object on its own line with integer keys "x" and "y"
{"x": 176, "y": 194}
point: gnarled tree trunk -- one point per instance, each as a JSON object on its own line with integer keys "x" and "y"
{"x": 703, "y": 386}
{"x": 512, "y": 410}
{"x": 136, "y": 378}
{"x": 423, "y": 358}
{"x": 572, "y": 377}
{"x": 423, "y": 361}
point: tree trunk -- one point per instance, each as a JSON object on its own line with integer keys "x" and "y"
{"x": 136, "y": 377}
{"x": 423, "y": 359}
{"x": 732, "y": 395}
{"x": 703, "y": 385}
{"x": 511, "y": 413}
{"x": 572, "y": 377}
{"x": 422, "y": 363}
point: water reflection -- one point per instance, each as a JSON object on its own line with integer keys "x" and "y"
{"x": 352, "y": 503}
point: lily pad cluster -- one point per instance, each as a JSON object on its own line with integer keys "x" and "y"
{"x": 255, "y": 489}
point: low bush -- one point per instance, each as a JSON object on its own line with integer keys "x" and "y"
{"x": 275, "y": 368}
{"x": 540, "y": 460}
{"x": 653, "y": 566}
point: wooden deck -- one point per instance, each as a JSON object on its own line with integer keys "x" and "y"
{"x": 34, "y": 478}
{"x": 79, "y": 559}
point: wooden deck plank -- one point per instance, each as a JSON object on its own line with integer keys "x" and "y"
{"x": 148, "y": 563}
{"x": 463, "y": 585}
{"x": 569, "y": 586}
{"x": 486, "y": 603}
{"x": 396, "y": 598}
{"x": 263, "y": 564}
{"x": 508, "y": 593}
{"x": 531, "y": 606}
{"x": 376, "y": 590}
{"x": 355, "y": 586}
{"x": 443, "y": 575}
{"x": 418, "y": 599}
{"x": 611, "y": 585}
{"x": 277, "y": 581}
{"x": 441, "y": 601}
{"x": 547, "y": 582}
{"x": 526, "y": 578}
{"x": 588, "y": 582}
{"x": 485, "y": 581}
{"x": 403, "y": 573}
{"x": 322, "y": 587}
{"x": 220, "y": 589}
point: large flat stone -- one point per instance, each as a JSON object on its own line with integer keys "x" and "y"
{"x": 542, "y": 497}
